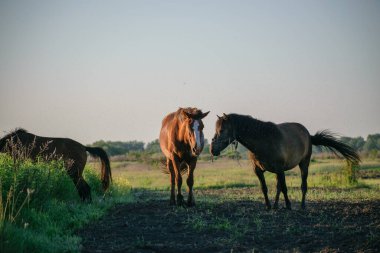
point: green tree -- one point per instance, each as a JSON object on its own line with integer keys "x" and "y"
{"x": 118, "y": 147}
{"x": 206, "y": 148}
{"x": 372, "y": 143}
{"x": 153, "y": 147}
{"x": 356, "y": 143}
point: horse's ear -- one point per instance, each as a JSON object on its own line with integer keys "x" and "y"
{"x": 225, "y": 116}
{"x": 218, "y": 116}
{"x": 205, "y": 114}
{"x": 186, "y": 114}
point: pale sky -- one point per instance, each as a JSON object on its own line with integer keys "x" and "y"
{"x": 111, "y": 70}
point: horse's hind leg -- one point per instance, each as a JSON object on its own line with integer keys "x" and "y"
{"x": 284, "y": 189}
{"x": 304, "y": 166}
{"x": 172, "y": 181}
{"x": 83, "y": 188}
{"x": 86, "y": 190}
{"x": 260, "y": 174}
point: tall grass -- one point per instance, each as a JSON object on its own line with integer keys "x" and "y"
{"x": 40, "y": 208}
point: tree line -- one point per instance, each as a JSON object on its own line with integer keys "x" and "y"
{"x": 367, "y": 148}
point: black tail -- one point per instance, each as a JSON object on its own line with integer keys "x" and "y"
{"x": 106, "y": 168}
{"x": 326, "y": 138}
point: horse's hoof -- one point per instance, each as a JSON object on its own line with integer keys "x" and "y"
{"x": 172, "y": 203}
{"x": 275, "y": 207}
{"x": 288, "y": 207}
{"x": 180, "y": 202}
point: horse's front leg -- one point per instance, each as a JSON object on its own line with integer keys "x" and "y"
{"x": 275, "y": 205}
{"x": 178, "y": 180}
{"x": 190, "y": 183}
{"x": 284, "y": 189}
{"x": 260, "y": 174}
{"x": 170, "y": 167}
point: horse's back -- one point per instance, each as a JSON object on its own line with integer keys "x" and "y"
{"x": 62, "y": 147}
{"x": 293, "y": 128}
{"x": 296, "y": 143}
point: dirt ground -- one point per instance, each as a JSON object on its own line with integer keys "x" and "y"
{"x": 228, "y": 223}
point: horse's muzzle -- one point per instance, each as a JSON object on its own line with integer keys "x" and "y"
{"x": 197, "y": 151}
{"x": 213, "y": 152}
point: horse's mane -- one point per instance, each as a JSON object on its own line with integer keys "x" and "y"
{"x": 14, "y": 132}
{"x": 19, "y": 131}
{"x": 249, "y": 125}
{"x": 9, "y": 135}
{"x": 193, "y": 111}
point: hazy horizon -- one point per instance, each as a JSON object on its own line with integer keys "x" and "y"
{"x": 112, "y": 70}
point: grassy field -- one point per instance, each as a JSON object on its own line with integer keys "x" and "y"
{"x": 229, "y": 215}
{"x": 230, "y": 174}
{"x": 326, "y": 179}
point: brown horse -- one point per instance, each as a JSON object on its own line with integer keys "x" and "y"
{"x": 181, "y": 141}
{"x": 73, "y": 154}
{"x": 276, "y": 148}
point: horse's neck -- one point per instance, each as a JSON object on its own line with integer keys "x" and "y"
{"x": 249, "y": 133}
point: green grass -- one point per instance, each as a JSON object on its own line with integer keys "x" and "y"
{"x": 326, "y": 179}
{"x": 40, "y": 207}
{"x": 231, "y": 174}
{"x": 51, "y": 214}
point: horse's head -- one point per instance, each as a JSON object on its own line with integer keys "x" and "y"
{"x": 2, "y": 144}
{"x": 224, "y": 135}
{"x": 192, "y": 127}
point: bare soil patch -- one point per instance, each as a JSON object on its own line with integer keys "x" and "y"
{"x": 233, "y": 224}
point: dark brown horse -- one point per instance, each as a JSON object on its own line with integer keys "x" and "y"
{"x": 71, "y": 152}
{"x": 181, "y": 141}
{"x": 276, "y": 148}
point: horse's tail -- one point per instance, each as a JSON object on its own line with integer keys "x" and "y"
{"x": 106, "y": 168}
{"x": 326, "y": 138}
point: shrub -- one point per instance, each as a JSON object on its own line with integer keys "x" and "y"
{"x": 349, "y": 172}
